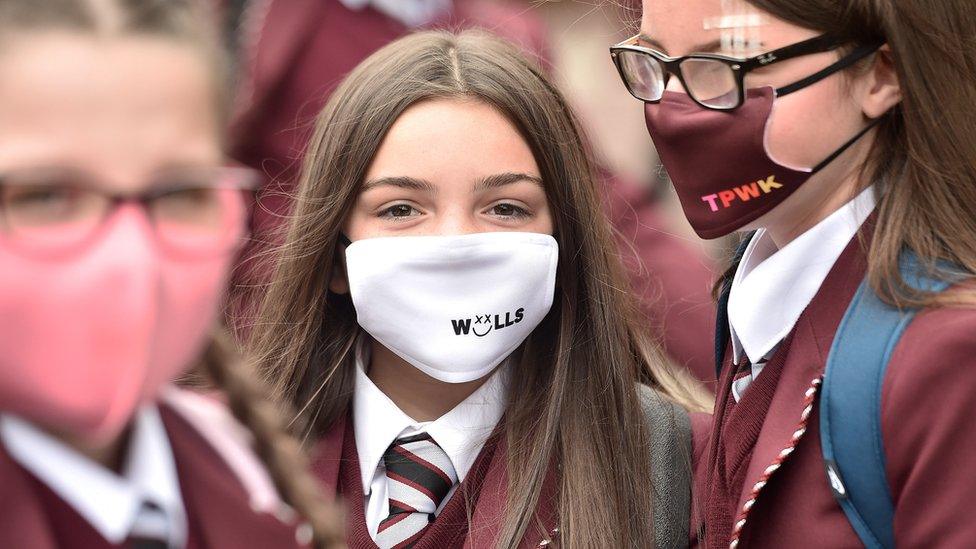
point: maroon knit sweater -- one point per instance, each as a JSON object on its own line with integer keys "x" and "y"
{"x": 738, "y": 425}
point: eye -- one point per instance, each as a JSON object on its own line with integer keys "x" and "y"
{"x": 507, "y": 209}
{"x": 39, "y": 196}
{"x": 43, "y": 204}
{"x": 189, "y": 196}
{"x": 399, "y": 211}
{"x": 189, "y": 205}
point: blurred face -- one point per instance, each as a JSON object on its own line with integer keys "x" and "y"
{"x": 87, "y": 336}
{"x": 806, "y": 126}
{"x": 450, "y": 167}
{"x": 119, "y": 110}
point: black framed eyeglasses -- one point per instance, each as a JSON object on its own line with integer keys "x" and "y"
{"x": 194, "y": 212}
{"x": 716, "y": 81}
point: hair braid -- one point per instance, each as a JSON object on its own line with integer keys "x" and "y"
{"x": 281, "y": 453}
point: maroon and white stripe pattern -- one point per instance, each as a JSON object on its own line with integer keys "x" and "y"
{"x": 419, "y": 476}
{"x": 809, "y": 397}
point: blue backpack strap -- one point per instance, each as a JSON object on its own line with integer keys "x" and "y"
{"x": 850, "y": 404}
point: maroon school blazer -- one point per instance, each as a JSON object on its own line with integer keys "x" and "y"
{"x": 778, "y": 494}
{"x": 218, "y": 505}
{"x": 295, "y": 56}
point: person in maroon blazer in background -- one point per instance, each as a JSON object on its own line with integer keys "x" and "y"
{"x": 119, "y": 223}
{"x": 905, "y": 185}
{"x": 292, "y": 54}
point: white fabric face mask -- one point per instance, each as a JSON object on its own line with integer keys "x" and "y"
{"x": 453, "y": 306}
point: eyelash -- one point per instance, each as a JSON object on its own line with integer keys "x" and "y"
{"x": 387, "y": 213}
{"x": 518, "y": 212}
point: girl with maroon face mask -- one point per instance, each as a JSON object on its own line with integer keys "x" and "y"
{"x": 118, "y": 226}
{"x": 841, "y": 134}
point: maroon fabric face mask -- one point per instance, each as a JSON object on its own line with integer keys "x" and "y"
{"x": 718, "y": 162}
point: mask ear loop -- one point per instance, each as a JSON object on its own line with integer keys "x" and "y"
{"x": 859, "y": 53}
{"x": 344, "y": 239}
{"x": 848, "y": 145}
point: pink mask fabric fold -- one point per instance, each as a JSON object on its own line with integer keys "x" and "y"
{"x": 85, "y": 340}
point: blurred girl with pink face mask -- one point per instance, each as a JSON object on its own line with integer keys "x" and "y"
{"x": 119, "y": 222}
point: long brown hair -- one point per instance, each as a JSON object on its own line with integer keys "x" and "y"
{"x": 573, "y": 398}
{"x": 186, "y": 23}
{"x": 925, "y": 151}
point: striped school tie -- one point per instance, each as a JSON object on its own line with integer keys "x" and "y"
{"x": 419, "y": 476}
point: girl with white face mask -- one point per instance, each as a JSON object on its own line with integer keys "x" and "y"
{"x": 842, "y": 135}
{"x": 449, "y": 317}
{"x": 119, "y": 223}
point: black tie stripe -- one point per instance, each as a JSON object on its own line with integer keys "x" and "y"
{"x": 421, "y": 475}
{"x": 409, "y": 469}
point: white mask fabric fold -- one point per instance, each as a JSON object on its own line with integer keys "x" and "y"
{"x": 453, "y": 306}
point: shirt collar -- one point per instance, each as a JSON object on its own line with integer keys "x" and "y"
{"x": 772, "y": 287}
{"x": 461, "y": 432}
{"x": 412, "y": 13}
{"x": 108, "y": 501}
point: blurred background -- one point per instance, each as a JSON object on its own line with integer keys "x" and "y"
{"x": 580, "y": 33}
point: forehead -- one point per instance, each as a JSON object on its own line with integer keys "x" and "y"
{"x": 117, "y": 107}
{"x": 679, "y": 17}
{"x": 448, "y": 141}
{"x": 681, "y": 25}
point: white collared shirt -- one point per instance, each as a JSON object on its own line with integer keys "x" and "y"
{"x": 772, "y": 286}
{"x": 112, "y": 504}
{"x": 412, "y": 13}
{"x": 377, "y": 421}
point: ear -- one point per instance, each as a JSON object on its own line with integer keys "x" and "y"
{"x": 883, "y": 89}
{"x": 339, "y": 282}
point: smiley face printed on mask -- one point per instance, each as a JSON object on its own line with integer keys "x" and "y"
{"x": 482, "y": 320}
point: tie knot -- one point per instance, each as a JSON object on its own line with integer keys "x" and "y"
{"x": 420, "y": 465}
{"x": 150, "y": 528}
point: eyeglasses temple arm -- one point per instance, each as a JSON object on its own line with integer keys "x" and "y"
{"x": 859, "y": 53}
{"x": 817, "y": 44}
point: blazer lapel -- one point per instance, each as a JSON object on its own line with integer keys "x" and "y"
{"x": 215, "y": 500}
{"x": 789, "y": 412}
{"x": 328, "y": 456}
{"x": 489, "y": 509}
{"x": 23, "y": 522}
{"x": 489, "y": 513}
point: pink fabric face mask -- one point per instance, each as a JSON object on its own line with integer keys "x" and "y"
{"x": 85, "y": 340}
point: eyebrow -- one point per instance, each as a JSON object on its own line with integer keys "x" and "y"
{"x": 705, "y": 47}
{"x": 412, "y": 183}
{"x": 507, "y": 178}
{"x": 402, "y": 182}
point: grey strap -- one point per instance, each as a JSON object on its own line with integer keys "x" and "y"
{"x": 670, "y": 432}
